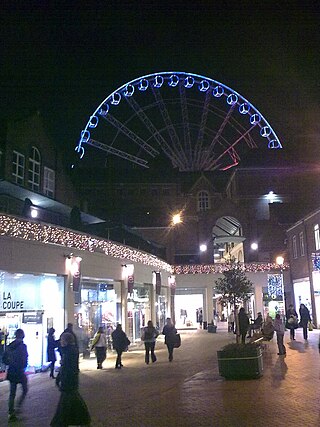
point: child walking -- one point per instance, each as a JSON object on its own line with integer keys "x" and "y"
{"x": 279, "y": 328}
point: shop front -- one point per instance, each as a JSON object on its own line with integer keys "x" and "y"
{"x": 139, "y": 309}
{"x": 97, "y": 304}
{"x": 34, "y": 303}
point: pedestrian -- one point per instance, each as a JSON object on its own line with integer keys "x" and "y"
{"x": 304, "y": 320}
{"x": 169, "y": 332}
{"x": 16, "y": 358}
{"x": 99, "y": 344}
{"x": 120, "y": 344}
{"x": 149, "y": 337}
{"x": 231, "y": 322}
{"x": 69, "y": 330}
{"x": 280, "y": 329}
{"x": 200, "y": 316}
{"x": 292, "y": 321}
{"x": 268, "y": 328}
{"x": 243, "y": 324}
{"x": 51, "y": 354}
{"x": 71, "y": 409}
{"x": 256, "y": 325}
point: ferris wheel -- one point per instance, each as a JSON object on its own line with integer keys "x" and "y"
{"x": 196, "y": 122}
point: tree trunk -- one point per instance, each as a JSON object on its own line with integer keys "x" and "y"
{"x": 236, "y": 319}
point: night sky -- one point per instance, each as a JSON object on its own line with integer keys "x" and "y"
{"x": 63, "y": 61}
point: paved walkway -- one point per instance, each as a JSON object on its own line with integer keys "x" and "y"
{"x": 188, "y": 392}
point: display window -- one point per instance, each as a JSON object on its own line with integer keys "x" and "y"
{"x": 99, "y": 305}
{"x": 32, "y": 302}
{"x": 139, "y": 310}
{"x": 162, "y": 308}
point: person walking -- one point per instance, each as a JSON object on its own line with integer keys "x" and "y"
{"x": 99, "y": 343}
{"x": 69, "y": 330}
{"x": 149, "y": 337}
{"x": 71, "y": 409}
{"x": 51, "y": 354}
{"x": 304, "y": 320}
{"x": 16, "y": 358}
{"x": 169, "y": 332}
{"x": 120, "y": 344}
{"x": 243, "y": 324}
{"x": 280, "y": 329}
{"x": 291, "y": 321}
{"x": 200, "y": 317}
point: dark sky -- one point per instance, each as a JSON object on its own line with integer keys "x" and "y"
{"x": 63, "y": 60}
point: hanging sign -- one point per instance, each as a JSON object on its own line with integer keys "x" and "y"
{"x": 158, "y": 283}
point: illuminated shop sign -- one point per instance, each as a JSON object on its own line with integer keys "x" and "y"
{"x": 20, "y": 292}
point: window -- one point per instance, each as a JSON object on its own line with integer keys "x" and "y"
{"x": 18, "y": 162}
{"x": 48, "y": 182}
{"x": 203, "y": 201}
{"x": 34, "y": 170}
{"x": 294, "y": 247}
{"x": 316, "y": 236}
{"x": 301, "y": 239}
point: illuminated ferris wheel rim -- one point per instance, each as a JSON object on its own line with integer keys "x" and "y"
{"x": 174, "y": 78}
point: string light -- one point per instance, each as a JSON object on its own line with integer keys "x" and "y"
{"x": 47, "y": 234}
{"x": 220, "y": 268}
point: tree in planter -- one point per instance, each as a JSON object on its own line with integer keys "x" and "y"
{"x": 235, "y": 288}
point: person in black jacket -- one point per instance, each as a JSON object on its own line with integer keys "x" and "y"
{"x": 169, "y": 332}
{"x": 120, "y": 344}
{"x": 51, "y": 354}
{"x": 71, "y": 409}
{"x": 243, "y": 324}
{"x": 291, "y": 321}
{"x": 16, "y": 357}
{"x": 304, "y": 320}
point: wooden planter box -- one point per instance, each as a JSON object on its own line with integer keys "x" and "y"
{"x": 242, "y": 367}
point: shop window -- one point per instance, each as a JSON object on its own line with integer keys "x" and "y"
{"x": 203, "y": 201}
{"x": 302, "y": 248}
{"x": 34, "y": 170}
{"x": 48, "y": 182}
{"x": 294, "y": 247}
{"x": 18, "y": 164}
{"x": 317, "y": 236}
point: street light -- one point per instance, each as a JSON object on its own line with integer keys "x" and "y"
{"x": 176, "y": 219}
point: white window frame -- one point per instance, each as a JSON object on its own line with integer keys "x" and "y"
{"x": 49, "y": 181}
{"x": 301, "y": 241}
{"x": 294, "y": 247}
{"x": 316, "y": 236}
{"x": 34, "y": 170}
{"x": 18, "y": 167}
{"x": 203, "y": 201}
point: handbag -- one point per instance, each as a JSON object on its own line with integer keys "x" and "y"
{"x": 310, "y": 326}
{"x": 177, "y": 341}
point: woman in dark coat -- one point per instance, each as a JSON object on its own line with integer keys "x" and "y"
{"x": 169, "y": 331}
{"x": 120, "y": 344}
{"x": 292, "y": 321}
{"x": 71, "y": 409}
{"x": 304, "y": 320}
{"x": 243, "y": 324}
{"x": 51, "y": 354}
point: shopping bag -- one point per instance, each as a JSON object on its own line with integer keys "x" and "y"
{"x": 310, "y": 326}
{"x": 177, "y": 341}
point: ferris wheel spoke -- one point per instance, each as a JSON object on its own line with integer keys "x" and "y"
{"x": 214, "y": 160}
{"x": 220, "y": 130}
{"x": 117, "y": 152}
{"x": 131, "y": 135}
{"x": 154, "y": 132}
{"x": 185, "y": 121}
{"x": 171, "y": 130}
{"x": 204, "y": 117}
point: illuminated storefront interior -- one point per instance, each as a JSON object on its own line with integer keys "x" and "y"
{"x": 33, "y": 303}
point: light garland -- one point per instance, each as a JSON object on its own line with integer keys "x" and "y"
{"x": 220, "y": 268}
{"x": 48, "y": 234}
